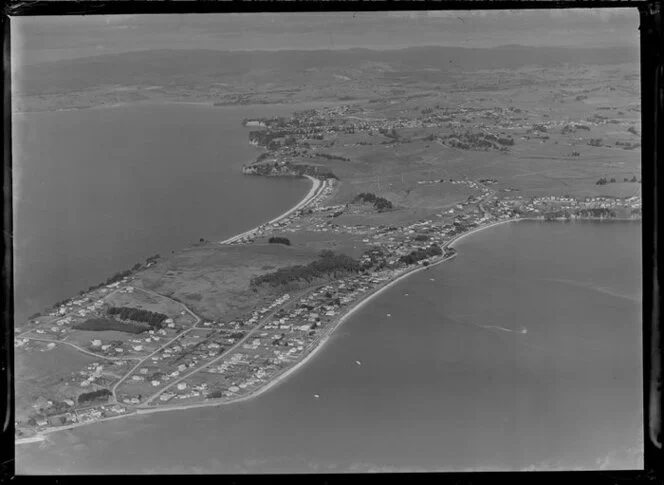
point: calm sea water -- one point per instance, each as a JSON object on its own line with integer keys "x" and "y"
{"x": 449, "y": 382}
{"x": 97, "y": 190}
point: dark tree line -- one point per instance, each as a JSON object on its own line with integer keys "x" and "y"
{"x": 279, "y": 240}
{"x": 379, "y": 203}
{"x": 332, "y": 157}
{"x": 138, "y": 315}
{"x": 328, "y": 265}
{"x": 420, "y": 254}
{"x": 102, "y": 324}
{"x": 88, "y": 397}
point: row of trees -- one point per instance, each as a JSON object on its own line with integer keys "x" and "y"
{"x": 153, "y": 319}
{"x": 599, "y": 212}
{"x": 279, "y": 240}
{"x": 328, "y": 156}
{"x": 379, "y": 203}
{"x": 420, "y": 254}
{"x": 328, "y": 265}
{"x": 99, "y": 395}
{"x": 288, "y": 168}
{"x": 103, "y": 324}
{"x": 612, "y": 180}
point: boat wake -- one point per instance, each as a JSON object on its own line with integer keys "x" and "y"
{"x": 523, "y": 330}
{"x": 592, "y": 287}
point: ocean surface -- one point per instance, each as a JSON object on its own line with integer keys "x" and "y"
{"x": 98, "y": 190}
{"x": 523, "y": 352}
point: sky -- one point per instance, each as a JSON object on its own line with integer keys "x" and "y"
{"x": 39, "y": 39}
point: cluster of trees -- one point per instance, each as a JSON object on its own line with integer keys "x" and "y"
{"x": 421, "y": 237}
{"x": 102, "y": 324}
{"x": 627, "y": 145}
{"x": 595, "y": 142}
{"x": 633, "y": 179}
{"x": 328, "y": 156}
{"x": 632, "y": 130}
{"x": 478, "y": 141}
{"x": 99, "y": 395}
{"x": 538, "y": 127}
{"x": 420, "y": 254}
{"x": 573, "y": 128}
{"x": 389, "y": 133}
{"x": 379, "y": 203}
{"x": 267, "y": 139}
{"x": 286, "y": 168}
{"x": 604, "y": 181}
{"x": 594, "y": 212}
{"x": 279, "y": 240}
{"x": 328, "y": 265}
{"x": 153, "y": 319}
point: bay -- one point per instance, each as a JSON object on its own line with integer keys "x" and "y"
{"x": 523, "y": 352}
{"x": 100, "y": 189}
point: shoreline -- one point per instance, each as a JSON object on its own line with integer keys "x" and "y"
{"x": 280, "y": 378}
{"x": 316, "y": 189}
{"x": 341, "y": 320}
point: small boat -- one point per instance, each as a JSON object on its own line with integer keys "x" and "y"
{"x": 389, "y": 314}
{"x": 405, "y": 294}
{"x": 316, "y": 396}
{"x": 432, "y": 279}
{"x": 358, "y": 362}
{"x": 524, "y": 331}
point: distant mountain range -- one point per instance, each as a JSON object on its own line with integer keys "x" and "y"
{"x": 168, "y": 67}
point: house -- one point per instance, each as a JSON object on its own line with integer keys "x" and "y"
{"x": 182, "y": 386}
{"x": 155, "y": 383}
{"x": 96, "y": 343}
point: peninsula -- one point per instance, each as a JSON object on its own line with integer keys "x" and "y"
{"x": 395, "y": 182}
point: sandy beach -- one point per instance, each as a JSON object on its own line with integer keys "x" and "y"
{"x": 316, "y": 189}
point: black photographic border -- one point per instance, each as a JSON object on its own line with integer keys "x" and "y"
{"x": 652, "y": 118}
